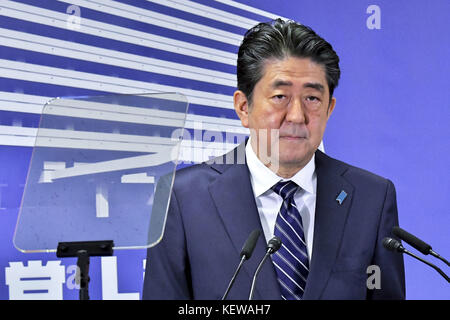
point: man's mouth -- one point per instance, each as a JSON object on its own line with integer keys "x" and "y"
{"x": 292, "y": 137}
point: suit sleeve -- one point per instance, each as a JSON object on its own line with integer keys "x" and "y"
{"x": 390, "y": 263}
{"x": 167, "y": 275}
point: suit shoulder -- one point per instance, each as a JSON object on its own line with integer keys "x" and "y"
{"x": 195, "y": 173}
{"x": 366, "y": 175}
{"x": 354, "y": 173}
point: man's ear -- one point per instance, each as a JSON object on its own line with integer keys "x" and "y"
{"x": 331, "y": 107}
{"x": 241, "y": 107}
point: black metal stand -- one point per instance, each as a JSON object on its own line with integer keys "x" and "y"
{"x": 83, "y": 250}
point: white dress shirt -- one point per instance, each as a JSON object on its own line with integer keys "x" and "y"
{"x": 269, "y": 202}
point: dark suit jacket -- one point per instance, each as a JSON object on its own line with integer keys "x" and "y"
{"x": 212, "y": 211}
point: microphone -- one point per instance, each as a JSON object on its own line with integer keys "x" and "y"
{"x": 272, "y": 246}
{"x": 395, "y": 245}
{"x": 246, "y": 253}
{"x": 416, "y": 243}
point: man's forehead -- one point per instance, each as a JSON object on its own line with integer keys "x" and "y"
{"x": 285, "y": 72}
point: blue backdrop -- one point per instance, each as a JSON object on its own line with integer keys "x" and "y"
{"x": 392, "y": 113}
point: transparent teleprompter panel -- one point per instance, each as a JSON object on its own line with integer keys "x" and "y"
{"x": 94, "y": 170}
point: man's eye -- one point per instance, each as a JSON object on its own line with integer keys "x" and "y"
{"x": 279, "y": 97}
{"x": 312, "y": 98}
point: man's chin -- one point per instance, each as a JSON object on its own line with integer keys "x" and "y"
{"x": 294, "y": 159}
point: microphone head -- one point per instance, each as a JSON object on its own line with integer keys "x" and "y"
{"x": 274, "y": 244}
{"x": 392, "y": 244}
{"x": 250, "y": 244}
{"x": 411, "y": 240}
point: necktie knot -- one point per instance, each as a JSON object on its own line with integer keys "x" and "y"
{"x": 285, "y": 189}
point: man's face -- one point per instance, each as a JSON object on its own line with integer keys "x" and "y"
{"x": 293, "y": 98}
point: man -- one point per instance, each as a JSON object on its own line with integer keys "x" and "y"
{"x": 331, "y": 217}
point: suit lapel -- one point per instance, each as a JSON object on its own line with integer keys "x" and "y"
{"x": 330, "y": 218}
{"x": 233, "y": 196}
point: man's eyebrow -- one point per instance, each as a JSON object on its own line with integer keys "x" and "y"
{"x": 280, "y": 83}
{"x": 315, "y": 85}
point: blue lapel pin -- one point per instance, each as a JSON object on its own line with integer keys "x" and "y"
{"x": 341, "y": 197}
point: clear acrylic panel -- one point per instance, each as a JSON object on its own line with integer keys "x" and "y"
{"x": 95, "y": 170}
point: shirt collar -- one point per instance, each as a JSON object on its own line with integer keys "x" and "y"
{"x": 262, "y": 178}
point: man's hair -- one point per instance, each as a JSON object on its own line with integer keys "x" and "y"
{"x": 281, "y": 39}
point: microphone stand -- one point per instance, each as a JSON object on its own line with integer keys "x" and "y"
{"x": 272, "y": 246}
{"x": 268, "y": 253}
{"x": 427, "y": 263}
{"x": 234, "y": 277}
{"x": 436, "y": 255}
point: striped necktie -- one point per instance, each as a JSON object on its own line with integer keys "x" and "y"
{"x": 291, "y": 260}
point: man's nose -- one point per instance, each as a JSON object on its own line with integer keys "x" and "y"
{"x": 295, "y": 112}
